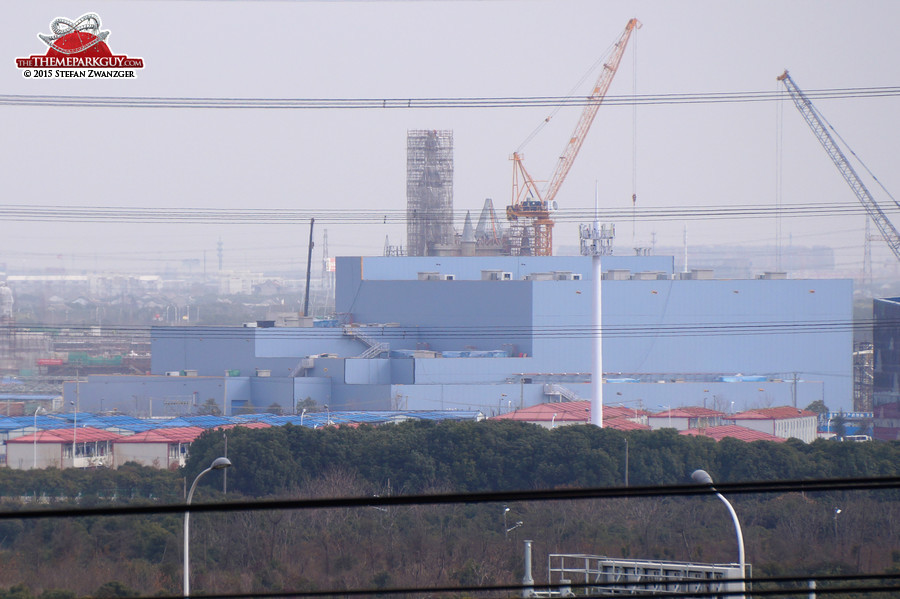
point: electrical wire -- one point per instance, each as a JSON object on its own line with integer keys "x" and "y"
{"x": 866, "y": 583}
{"x": 430, "y": 103}
{"x": 883, "y": 483}
{"x": 877, "y": 583}
{"x": 490, "y": 332}
{"x": 271, "y": 216}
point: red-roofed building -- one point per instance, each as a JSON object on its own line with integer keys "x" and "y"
{"x": 54, "y": 449}
{"x": 686, "y": 418}
{"x": 633, "y": 414}
{"x": 551, "y": 415}
{"x": 624, "y": 424}
{"x": 732, "y": 431}
{"x": 886, "y": 422}
{"x": 159, "y": 448}
{"x": 784, "y": 421}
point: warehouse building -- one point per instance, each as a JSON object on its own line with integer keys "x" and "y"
{"x": 491, "y": 333}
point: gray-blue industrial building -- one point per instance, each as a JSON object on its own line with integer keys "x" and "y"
{"x": 497, "y": 333}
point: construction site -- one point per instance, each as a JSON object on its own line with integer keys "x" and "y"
{"x": 528, "y": 230}
{"x": 391, "y": 314}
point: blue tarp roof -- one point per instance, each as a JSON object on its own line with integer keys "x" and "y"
{"x": 309, "y": 419}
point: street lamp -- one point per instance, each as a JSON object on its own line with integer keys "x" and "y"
{"x": 38, "y": 410}
{"x": 837, "y": 511}
{"x": 218, "y": 464}
{"x": 703, "y": 478}
{"x": 505, "y": 511}
{"x": 74, "y": 425}
{"x": 302, "y": 413}
{"x": 513, "y": 527}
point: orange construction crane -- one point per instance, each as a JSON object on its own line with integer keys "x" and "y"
{"x": 535, "y": 236}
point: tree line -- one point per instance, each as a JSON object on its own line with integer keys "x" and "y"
{"x": 432, "y": 545}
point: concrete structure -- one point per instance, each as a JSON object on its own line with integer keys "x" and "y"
{"x": 438, "y": 333}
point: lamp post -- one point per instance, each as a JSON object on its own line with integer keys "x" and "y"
{"x": 505, "y": 511}
{"x": 837, "y": 511}
{"x": 74, "y": 425}
{"x": 302, "y": 414}
{"x": 703, "y": 478}
{"x": 38, "y": 410}
{"x": 218, "y": 464}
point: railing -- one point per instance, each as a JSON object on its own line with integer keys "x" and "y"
{"x": 563, "y": 392}
{"x": 375, "y": 349}
{"x": 96, "y": 461}
{"x": 615, "y": 576}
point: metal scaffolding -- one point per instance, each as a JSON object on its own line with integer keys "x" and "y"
{"x": 429, "y": 190}
{"x": 609, "y": 576}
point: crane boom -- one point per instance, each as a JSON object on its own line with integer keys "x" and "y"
{"x": 590, "y": 111}
{"x": 527, "y": 199}
{"x": 806, "y": 108}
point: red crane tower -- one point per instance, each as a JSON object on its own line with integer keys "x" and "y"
{"x": 535, "y": 235}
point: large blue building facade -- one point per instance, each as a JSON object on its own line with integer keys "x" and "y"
{"x": 497, "y": 333}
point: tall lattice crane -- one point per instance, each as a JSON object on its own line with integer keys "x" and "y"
{"x": 806, "y": 108}
{"x": 528, "y": 202}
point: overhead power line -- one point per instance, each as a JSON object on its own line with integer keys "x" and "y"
{"x": 270, "y": 216}
{"x": 429, "y": 103}
{"x": 490, "y": 332}
{"x": 883, "y": 483}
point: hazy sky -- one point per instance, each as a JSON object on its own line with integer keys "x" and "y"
{"x": 687, "y": 155}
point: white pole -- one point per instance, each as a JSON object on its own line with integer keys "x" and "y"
{"x": 703, "y": 478}
{"x": 187, "y": 529}
{"x": 597, "y": 348}
{"x": 527, "y": 579}
{"x": 740, "y": 540}
{"x": 34, "y": 463}
{"x": 217, "y": 464}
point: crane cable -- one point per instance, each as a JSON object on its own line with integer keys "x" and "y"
{"x": 567, "y": 98}
{"x": 854, "y": 154}
{"x": 633, "y": 136}
{"x": 779, "y": 172}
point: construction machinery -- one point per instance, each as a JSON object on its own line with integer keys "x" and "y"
{"x": 530, "y": 213}
{"x": 817, "y": 124}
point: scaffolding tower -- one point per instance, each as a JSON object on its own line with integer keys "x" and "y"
{"x": 429, "y": 190}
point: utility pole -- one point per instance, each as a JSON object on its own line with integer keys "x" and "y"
{"x": 312, "y": 222}
{"x": 794, "y": 390}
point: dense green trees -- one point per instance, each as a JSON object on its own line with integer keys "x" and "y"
{"x": 506, "y": 455}
{"x": 426, "y": 545}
